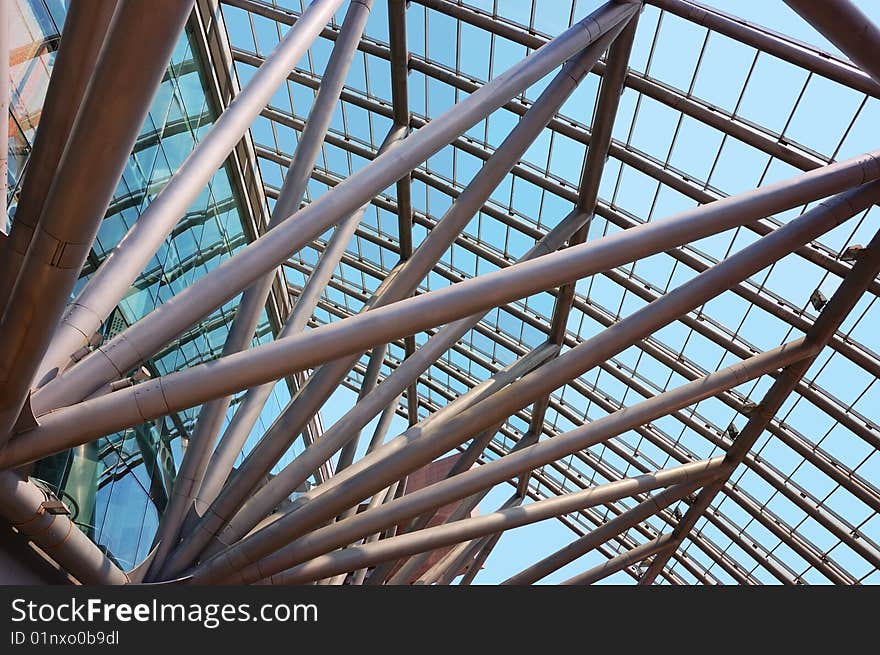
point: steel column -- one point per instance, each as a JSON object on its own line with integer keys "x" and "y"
{"x": 240, "y": 521}
{"x": 81, "y": 40}
{"x": 87, "y": 175}
{"x": 406, "y": 277}
{"x": 22, "y": 503}
{"x": 196, "y": 462}
{"x": 623, "y": 560}
{"x": 588, "y": 193}
{"x": 488, "y": 545}
{"x": 445, "y": 571}
{"x": 252, "y": 404}
{"x": 297, "y": 521}
{"x": 191, "y": 387}
{"x": 254, "y": 298}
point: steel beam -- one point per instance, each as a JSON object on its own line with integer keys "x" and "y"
{"x": 448, "y": 568}
{"x": 621, "y": 561}
{"x": 399, "y": 58}
{"x": 271, "y": 361}
{"x": 239, "y": 521}
{"x": 602, "y": 470}
{"x": 817, "y": 254}
{"x": 149, "y": 334}
{"x": 588, "y": 190}
{"x": 246, "y": 416}
{"x": 195, "y": 462}
{"x": 639, "y": 324}
{"x": 288, "y": 202}
{"x": 82, "y": 38}
{"x": 470, "y": 482}
{"x": 762, "y": 298}
{"x": 702, "y": 111}
{"x": 623, "y": 522}
{"x": 465, "y": 461}
{"x": 24, "y": 506}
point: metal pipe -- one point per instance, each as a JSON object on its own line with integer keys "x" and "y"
{"x": 210, "y": 420}
{"x": 370, "y": 380}
{"x": 82, "y": 36}
{"x": 470, "y": 482}
{"x": 74, "y": 425}
{"x": 448, "y": 567}
{"x": 321, "y": 565}
{"x": 384, "y": 495}
{"x": 413, "y": 564}
{"x": 292, "y": 192}
{"x": 109, "y": 284}
{"x": 833, "y": 314}
{"x": 24, "y": 504}
{"x": 480, "y": 559}
{"x": 847, "y": 27}
{"x": 83, "y": 185}
{"x": 620, "y": 562}
{"x": 410, "y": 273}
{"x": 588, "y": 195}
{"x": 149, "y": 334}
{"x": 383, "y": 396}
{"x": 399, "y": 59}
{"x": 467, "y": 459}
{"x": 607, "y": 531}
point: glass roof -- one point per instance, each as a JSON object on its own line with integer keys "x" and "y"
{"x": 812, "y": 476}
{"x": 705, "y": 112}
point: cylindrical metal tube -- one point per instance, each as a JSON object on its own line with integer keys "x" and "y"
{"x": 290, "y": 526}
{"x": 600, "y": 535}
{"x": 405, "y": 279}
{"x": 22, "y": 504}
{"x": 81, "y": 40}
{"x": 78, "y": 424}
